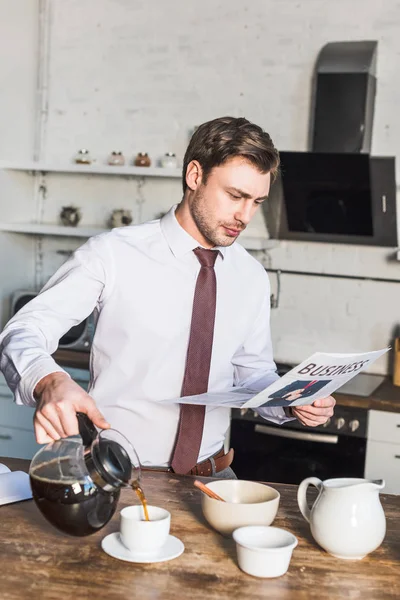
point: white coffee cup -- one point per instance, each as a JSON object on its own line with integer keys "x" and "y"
{"x": 141, "y": 536}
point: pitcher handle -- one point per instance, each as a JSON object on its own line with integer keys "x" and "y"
{"x": 302, "y": 495}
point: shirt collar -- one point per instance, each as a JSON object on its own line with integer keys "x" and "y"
{"x": 179, "y": 240}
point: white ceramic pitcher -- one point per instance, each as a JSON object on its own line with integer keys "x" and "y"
{"x": 347, "y": 518}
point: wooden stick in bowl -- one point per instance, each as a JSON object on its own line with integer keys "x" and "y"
{"x": 207, "y": 490}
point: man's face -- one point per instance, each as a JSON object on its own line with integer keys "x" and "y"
{"x": 222, "y": 208}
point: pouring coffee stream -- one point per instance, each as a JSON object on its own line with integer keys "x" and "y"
{"x": 140, "y": 494}
{"x": 76, "y": 481}
{"x": 88, "y": 433}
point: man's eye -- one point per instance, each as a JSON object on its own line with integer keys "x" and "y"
{"x": 234, "y": 196}
{"x": 258, "y": 201}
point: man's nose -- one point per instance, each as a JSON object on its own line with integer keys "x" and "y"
{"x": 245, "y": 213}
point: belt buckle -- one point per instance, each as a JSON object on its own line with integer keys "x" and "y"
{"x": 207, "y": 464}
{"x": 205, "y": 469}
{"x": 198, "y": 469}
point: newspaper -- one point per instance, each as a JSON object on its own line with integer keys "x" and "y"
{"x": 316, "y": 377}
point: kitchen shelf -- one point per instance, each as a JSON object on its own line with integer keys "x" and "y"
{"x": 250, "y": 243}
{"x": 93, "y": 169}
{"x": 56, "y": 230}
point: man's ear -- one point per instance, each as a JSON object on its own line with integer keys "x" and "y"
{"x": 194, "y": 175}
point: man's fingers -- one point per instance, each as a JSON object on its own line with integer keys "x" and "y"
{"x": 311, "y": 409}
{"x": 41, "y": 436}
{"x": 310, "y": 419}
{"x": 329, "y": 401}
{"x": 68, "y": 419}
{"x": 313, "y": 413}
{"x": 53, "y": 414}
{"x": 310, "y": 422}
{"x": 316, "y": 413}
{"x": 47, "y": 427}
{"x": 95, "y": 416}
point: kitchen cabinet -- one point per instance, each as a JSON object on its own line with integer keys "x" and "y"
{"x": 17, "y": 438}
{"x": 17, "y": 442}
{"x": 16, "y": 426}
{"x": 383, "y": 449}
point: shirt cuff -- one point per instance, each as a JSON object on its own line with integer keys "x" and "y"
{"x": 30, "y": 379}
{"x": 275, "y": 414}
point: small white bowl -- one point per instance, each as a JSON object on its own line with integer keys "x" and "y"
{"x": 264, "y": 551}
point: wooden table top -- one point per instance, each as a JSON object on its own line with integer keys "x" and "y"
{"x": 38, "y": 562}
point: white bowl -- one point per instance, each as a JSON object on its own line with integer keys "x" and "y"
{"x": 264, "y": 551}
{"x": 246, "y": 503}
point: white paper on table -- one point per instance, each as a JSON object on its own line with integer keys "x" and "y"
{"x": 14, "y": 487}
{"x": 4, "y": 469}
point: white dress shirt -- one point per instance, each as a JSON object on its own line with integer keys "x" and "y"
{"x": 140, "y": 281}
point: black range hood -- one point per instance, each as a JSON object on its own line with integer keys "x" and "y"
{"x": 333, "y": 197}
{"x": 337, "y": 192}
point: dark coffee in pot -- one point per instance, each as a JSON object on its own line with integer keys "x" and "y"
{"x": 77, "y": 507}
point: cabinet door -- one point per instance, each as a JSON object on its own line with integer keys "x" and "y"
{"x": 14, "y": 415}
{"x": 383, "y": 462}
{"x": 384, "y": 426}
{"x": 17, "y": 443}
{"x": 17, "y": 438}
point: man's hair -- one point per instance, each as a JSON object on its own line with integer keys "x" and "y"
{"x": 217, "y": 141}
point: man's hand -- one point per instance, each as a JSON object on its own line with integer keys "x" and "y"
{"x": 315, "y": 414}
{"x": 59, "y": 398}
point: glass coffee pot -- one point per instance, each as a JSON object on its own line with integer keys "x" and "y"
{"x": 76, "y": 481}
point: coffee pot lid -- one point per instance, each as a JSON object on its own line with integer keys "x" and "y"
{"x": 111, "y": 461}
{"x": 110, "y": 458}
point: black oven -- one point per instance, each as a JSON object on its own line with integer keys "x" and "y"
{"x": 290, "y": 452}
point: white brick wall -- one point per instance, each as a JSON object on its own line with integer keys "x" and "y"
{"x": 132, "y": 76}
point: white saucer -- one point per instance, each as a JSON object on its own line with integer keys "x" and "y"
{"x": 113, "y": 546}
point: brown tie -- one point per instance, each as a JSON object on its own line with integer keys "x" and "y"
{"x": 198, "y": 361}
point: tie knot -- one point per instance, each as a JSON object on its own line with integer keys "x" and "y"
{"x": 206, "y": 257}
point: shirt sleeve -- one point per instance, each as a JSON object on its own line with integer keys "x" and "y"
{"x": 254, "y": 366}
{"x": 32, "y": 335}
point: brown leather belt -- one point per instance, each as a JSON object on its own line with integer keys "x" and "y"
{"x": 205, "y": 467}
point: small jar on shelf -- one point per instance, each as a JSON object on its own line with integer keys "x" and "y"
{"x": 70, "y": 216}
{"x": 116, "y": 159}
{"x": 169, "y": 161}
{"x": 82, "y": 157}
{"x": 120, "y": 217}
{"x": 142, "y": 160}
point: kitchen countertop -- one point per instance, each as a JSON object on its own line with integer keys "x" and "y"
{"x": 72, "y": 358}
{"x": 39, "y": 562}
{"x": 385, "y": 397}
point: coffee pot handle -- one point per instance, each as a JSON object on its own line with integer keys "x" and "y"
{"x": 302, "y": 495}
{"x": 87, "y": 430}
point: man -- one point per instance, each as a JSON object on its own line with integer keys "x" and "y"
{"x": 180, "y": 309}
{"x": 297, "y": 389}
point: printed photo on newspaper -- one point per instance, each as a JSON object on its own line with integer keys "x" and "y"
{"x": 316, "y": 377}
